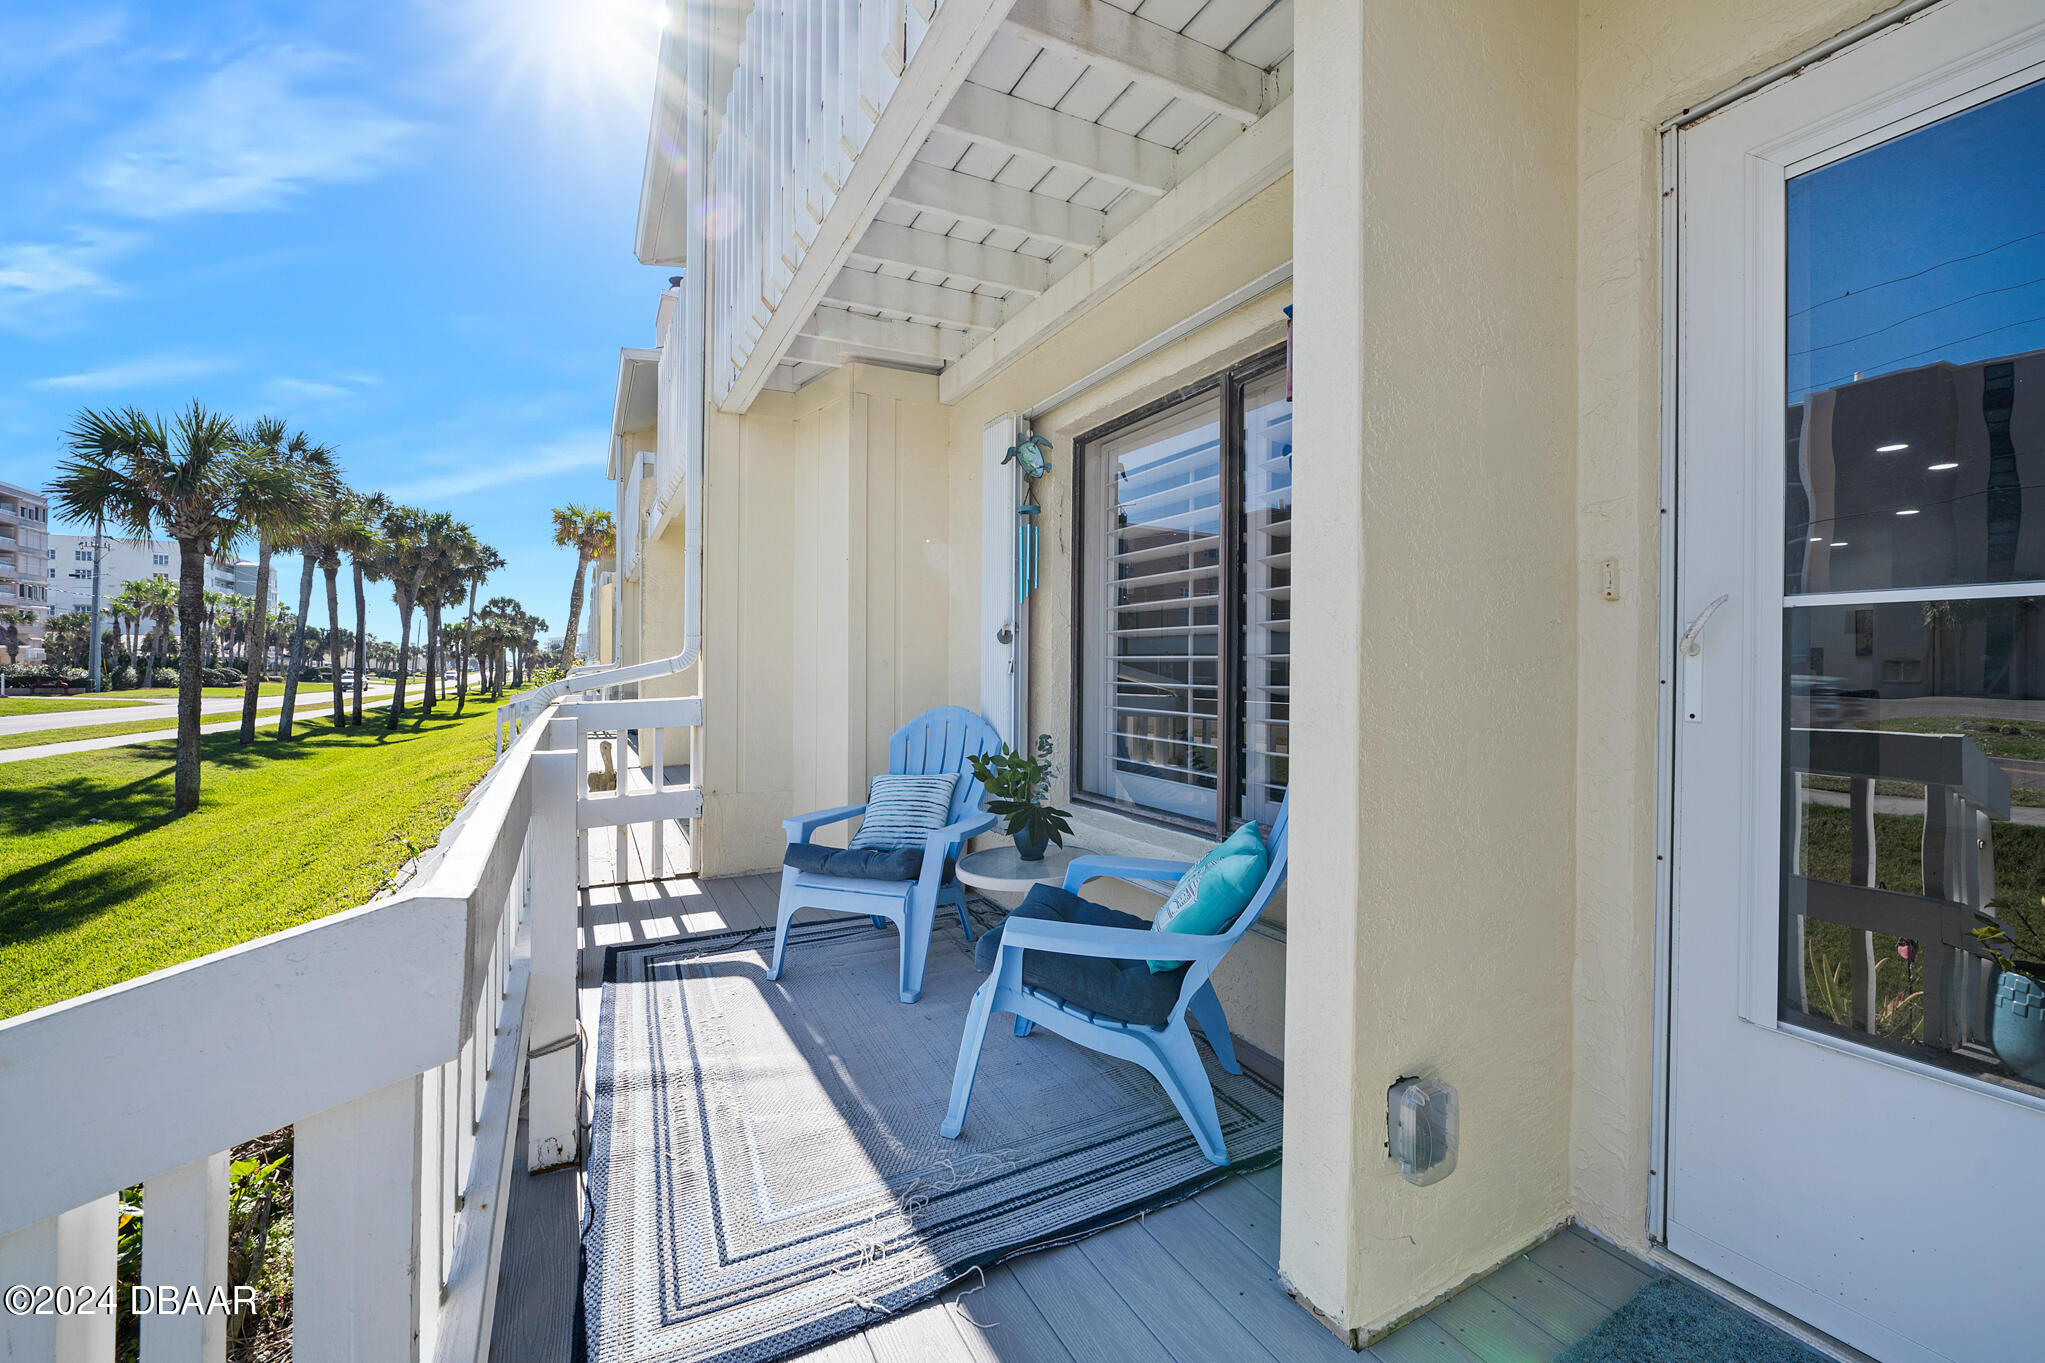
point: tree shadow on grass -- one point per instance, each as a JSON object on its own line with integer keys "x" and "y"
{"x": 31, "y": 907}
{"x": 27, "y": 917}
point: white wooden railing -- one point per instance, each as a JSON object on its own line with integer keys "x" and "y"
{"x": 814, "y": 79}
{"x": 1964, "y": 792}
{"x": 397, "y": 1038}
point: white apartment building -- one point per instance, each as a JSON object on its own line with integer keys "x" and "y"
{"x": 23, "y": 544}
{"x": 123, "y": 561}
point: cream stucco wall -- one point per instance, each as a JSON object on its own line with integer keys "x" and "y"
{"x": 1638, "y": 65}
{"x": 1433, "y": 551}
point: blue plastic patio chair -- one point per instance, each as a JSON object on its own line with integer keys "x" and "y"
{"x": 934, "y": 743}
{"x": 1166, "y": 1049}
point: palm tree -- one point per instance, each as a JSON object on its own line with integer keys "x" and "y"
{"x": 410, "y": 536}
{"x": 340, "y": 527}
{"x": 589, "y": 533}
{"x": 128, "y": 609}
{"x": 14, "y": 620}
{"x": 359, "y": 533}
{"x": 209, "y": 619}
{"x": 482, "y": 561}
{"x": 197, "y": 481}
{"x": 276, "y": 522}
{"x": 159, "y": 601}
{"x": 324, "y": 492}
{"x": 65, "y": 636}
{"x": 445, "y": 584}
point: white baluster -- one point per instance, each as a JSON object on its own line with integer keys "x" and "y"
{"x": 184, "y": 1244}
{"x": 74, "y": 1249}
{"x": 659, "y": 825}
{"x": 356, "y": 1290}
{"x": 86, "y": 1246}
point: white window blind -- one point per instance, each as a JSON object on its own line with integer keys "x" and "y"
{"x": 1155, "y": 737}
{"x": 1267, "y": 605}
{"x": 1186, "y": 603}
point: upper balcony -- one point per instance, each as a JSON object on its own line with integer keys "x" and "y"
{"x": 942, "y": 184}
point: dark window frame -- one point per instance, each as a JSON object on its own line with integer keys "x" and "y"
{"x": 1232, "y": 627}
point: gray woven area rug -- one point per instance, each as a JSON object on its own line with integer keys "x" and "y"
{"x": 767, "y": 1172}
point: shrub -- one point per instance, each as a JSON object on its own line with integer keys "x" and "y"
{"x": 28, "y": 674}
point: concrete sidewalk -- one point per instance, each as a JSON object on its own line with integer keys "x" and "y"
{"x": 265, "y": 712}
{"x": 166, "y": 709}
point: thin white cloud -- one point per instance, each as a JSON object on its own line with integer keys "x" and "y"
{"x": 474, "y": 473}
{"x": 148, "y": 371}
{"x": 34, "y": 42}
{"x": 37, "y": 277}
{"x": 305, "y": 390}
{"x": 252, "y": 135}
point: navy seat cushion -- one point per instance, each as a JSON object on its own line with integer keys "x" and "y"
{"x": 1127, "y": 991}
{"x": 859, "y": 863}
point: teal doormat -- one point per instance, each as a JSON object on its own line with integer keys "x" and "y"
{"x": 1672, "y": 1322}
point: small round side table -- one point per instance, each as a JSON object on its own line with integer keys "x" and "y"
{"x": 1002, "y": 869}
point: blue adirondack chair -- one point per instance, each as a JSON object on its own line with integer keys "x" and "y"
{"x": 1168, "y": 1051}
{"x": 932, "y": 744}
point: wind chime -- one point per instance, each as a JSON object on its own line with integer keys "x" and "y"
{"x": 1031, "y": 456}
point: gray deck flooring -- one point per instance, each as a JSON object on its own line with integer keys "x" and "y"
{"x": 1194, "y": 1283}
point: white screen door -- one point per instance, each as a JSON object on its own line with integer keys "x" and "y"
{"x": 1856, "y": 1089}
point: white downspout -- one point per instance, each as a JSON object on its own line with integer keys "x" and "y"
{"x": 694, "y": 342}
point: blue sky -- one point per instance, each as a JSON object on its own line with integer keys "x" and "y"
{"x": 1928, "y": 247}
{"x": 403, "y": 227}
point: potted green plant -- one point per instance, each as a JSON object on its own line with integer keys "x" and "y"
{"x": 1018, "y": 785}
{"x": 2016, "y": 940}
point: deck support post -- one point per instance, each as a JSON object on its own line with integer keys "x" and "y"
{"x": 553, "y": 1058}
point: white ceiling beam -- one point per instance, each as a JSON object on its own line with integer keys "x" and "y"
{"x": 911, "y": 340}
{"x": 994, "y": 205}
{"x": 1256, "y": 160}
{"x": 987, "y": 115}
{"x": 1140, "y": 50}
{"x": 949, "y": 47}
{"x": 922, "y": 302}
{"x": 884, "y": 243}
{"x": 809, "y": 350}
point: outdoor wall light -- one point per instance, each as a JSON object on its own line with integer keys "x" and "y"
{"x": 1421, "y": 1126}
{"x": 1837, "y": 544}
{"x": 1940, "y": 468}
{"x": 1912, "y": 511}
{"x": 1889, "y": 449}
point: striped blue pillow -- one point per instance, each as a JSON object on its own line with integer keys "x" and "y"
{"x": 901, "y": 811}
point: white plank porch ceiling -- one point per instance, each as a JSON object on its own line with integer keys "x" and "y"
{"x": 1063, "y": 134}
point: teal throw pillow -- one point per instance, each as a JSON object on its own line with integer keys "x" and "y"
{"x": 1215, "y": 890}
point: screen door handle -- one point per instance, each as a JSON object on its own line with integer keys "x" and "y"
{"x": 1692, "y": 649}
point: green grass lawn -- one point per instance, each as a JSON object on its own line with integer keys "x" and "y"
{"x": 1899, "y": 865}
{"x": 36, "y": 738}
{"x": 2028, "y": 742}
{"x": 100, "y": 882}
{"x": 309, "y": 706}
{"x": 45, "y": 705}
